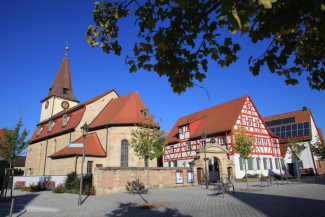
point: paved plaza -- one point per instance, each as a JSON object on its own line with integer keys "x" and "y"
{"x": 307, "y": 199}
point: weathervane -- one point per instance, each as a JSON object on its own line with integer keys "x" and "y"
{"x": 66, "y": 49}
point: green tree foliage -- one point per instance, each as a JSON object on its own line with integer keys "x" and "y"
{"x": 319, "y": 149}
{"x": 295, "y": 149}
{"x": 178, "y": 38}
{"x": 148, "y": 142}
{"x": 13, "y": 142}
{"x": 244, "y": 145}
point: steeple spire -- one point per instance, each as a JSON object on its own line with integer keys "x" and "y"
{"x": 62, "y": 85}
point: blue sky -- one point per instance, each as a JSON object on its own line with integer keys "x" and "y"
{"x": 33, "y": 37}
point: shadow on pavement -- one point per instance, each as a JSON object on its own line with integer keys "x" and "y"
{"x": 19, "y": 204}
{"x": 274, "y": 205}
{"x": 128, "y": 209}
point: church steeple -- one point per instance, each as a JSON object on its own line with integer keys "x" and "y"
{"x": 62, "y": 85}
{"x": 61, "y": 94}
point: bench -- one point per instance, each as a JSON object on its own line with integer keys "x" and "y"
{"x": 49, "y": 185}
{"x": 268, "y": 180}
{"x": 287, "y": 177}
{"x": 223, "y": 187}
{"x": 19, "y": 185}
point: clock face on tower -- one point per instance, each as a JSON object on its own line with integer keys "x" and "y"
{"x": 65, "y": 105}
{"x": 47, "y": 104}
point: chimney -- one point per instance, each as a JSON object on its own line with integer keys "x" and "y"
{"x": 304, "y": 108}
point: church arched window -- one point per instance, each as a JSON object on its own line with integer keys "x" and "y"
{"x": 124, "y": 153}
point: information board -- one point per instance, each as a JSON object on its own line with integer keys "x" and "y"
{"x": 179, "y": 177}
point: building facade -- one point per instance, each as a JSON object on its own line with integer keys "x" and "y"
{"x": 219, "y": 123}
{"x": 298, "y": 126}
{"x": 53, "y": 147}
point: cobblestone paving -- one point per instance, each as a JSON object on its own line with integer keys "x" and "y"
{"x": 307, "y": 199}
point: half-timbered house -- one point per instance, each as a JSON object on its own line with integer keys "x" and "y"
{"x": 219, "y": 123}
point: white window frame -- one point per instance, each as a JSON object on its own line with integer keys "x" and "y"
{"x": 172, "y": 149}
{"x": 39, "y": 130}
{"x": 51, "y": 125}
{"x": 181, "y": 130}
{"x": 248, "y": 106}
{"x": 221, "y": 140}
{"x": 257, "y": 123}
{"x": 265, "y": 142}
{"x": 187, "y": 128}
{"x": 188, "y": 146}
{"x": 65, "y": 119}
{"x": 258, "y": 141}
{"x": 250, "y": 121}
{"x": 243, "y": 120}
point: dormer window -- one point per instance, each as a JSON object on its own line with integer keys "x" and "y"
{"x": 145, "y": 114}
{"x": 65, "y": 120}
{"x": 39, "y": 130}
{"x": 64, "y": 90}
{"x": 51, "y": 125}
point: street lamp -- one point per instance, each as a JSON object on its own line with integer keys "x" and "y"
{"x": 84, "y": 130}
{"x": 203, "y": 138}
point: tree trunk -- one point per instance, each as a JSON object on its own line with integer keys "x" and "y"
{"x": 246, "y": 173}
{"x": 148, "y": 182}
{"x": 297, "y": 168}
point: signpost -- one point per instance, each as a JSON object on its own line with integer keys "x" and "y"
{"x": 76, "y": 145}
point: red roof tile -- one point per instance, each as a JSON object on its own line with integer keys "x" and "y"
{"x": 93, "y": 148}
{"x": 123, "y": 110}
{"x": 57, "y": 129}
{"x": 320, "y": 133}
{"x": 62, "y": 85}
{"x": 216, "y": 119}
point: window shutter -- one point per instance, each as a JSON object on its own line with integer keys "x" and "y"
{"x": 276, "y": 163}
{"x": 169, "y": 163}
{"x": 241, "y": 163}
{"x": 258, "y": 163}
{"x": 271, "y": 164}
{"x": 282, "y": 163}
{"x": 250, "y": 164}
{"x": 175, "y": 163}
{"x": 265, "y": 163}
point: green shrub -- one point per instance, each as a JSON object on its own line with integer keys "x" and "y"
{"x": 251, "y": 176}
{"x": 72, "y": 181}
{"x": 58, "y": 189}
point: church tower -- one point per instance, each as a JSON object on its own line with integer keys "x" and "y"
{"x": 61, "y": 94}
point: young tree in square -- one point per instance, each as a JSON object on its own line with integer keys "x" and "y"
{"x": 148, "y": 142}
{"x": 318, "y": 149}
{"x": 244, "y": 145}
{"x": 11, "y": 145}
{"x": 13, "y": 142}
{"x": 295, "y": 149}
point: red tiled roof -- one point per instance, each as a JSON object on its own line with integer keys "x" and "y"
{"x": 320, "y": 133}
{"x": 63, "y": 83}
{"x": 72, "y": 124}
{"x": 93, "y": 148}
{"x": 216, "y": 119}
{"x": 123, "y": 110}
{"x": 76, "y": 107}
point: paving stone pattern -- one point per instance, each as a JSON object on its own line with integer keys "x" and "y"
{"x": 307, "y": 199}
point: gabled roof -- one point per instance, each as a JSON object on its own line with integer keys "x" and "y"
{"x": 214, "y": 120}
{"x": 62, "y": 85}
{"x": 92, "y": 145}
{"x": 123, "y": 110}
{"x": 75, "y": 118}
{"x": 320, "y": 133}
